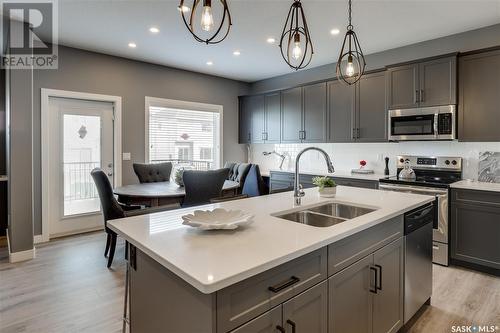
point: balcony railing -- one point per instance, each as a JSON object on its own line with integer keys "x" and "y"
{"x": 78, "y": 183}
{"x": 188, "y": 164}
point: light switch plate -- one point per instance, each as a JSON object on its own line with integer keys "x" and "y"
{"x": 126, "y": 156}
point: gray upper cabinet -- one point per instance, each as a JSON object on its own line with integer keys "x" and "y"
{"x": 315, "y": 113}
{"x": 257, "y": 115}
{"x": 307, "y": 312}
{"x": 402, "y": 87}
{"x": 438, "y": 82}
{"x": 272, "y": 118}
{"x": 479, "y": 87}
{"x": 291, "y": 115}
{"x": 428, "y": 83}
{"x": 341, "y": 110}
{"x": 350, "y": 301}
{"x": 371, "y": 115}
{"x": 245, "y": 120}
{"x": 388, "y": 302}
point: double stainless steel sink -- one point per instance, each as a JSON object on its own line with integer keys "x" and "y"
{"x": 326, "y": 215}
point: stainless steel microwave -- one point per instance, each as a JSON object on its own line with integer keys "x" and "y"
{"x": 431, "y": 123}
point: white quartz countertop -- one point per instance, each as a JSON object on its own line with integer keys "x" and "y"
{"x": 340, "y": 174}
{"x": 475, "y": 185}
{"x": 213, "y": 260}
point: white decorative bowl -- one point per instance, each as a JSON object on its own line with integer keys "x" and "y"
{"x": 217, "y": 219}
{"x": 327, "y": 192}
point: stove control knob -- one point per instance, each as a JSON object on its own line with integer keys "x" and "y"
{"x": 401, "y": 160}
{"x": 447, "y": 162}
{"x": 454, "y": 162}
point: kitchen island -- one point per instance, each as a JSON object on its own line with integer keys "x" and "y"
{"x": 274, "y": 275}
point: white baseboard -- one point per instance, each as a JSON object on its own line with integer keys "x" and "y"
{"x": 37, "y": 239}
{"x": 21, "y": 255}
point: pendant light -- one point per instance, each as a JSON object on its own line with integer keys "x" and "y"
{"x": 206, "y": 23}
{"x": 351, "y": 64}
{"x": 295, "y": 43}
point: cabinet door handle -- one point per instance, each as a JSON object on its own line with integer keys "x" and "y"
{"x": 303, "y": 135}
{"x": 416, "y": 97}
{"x": 353, "y": 133}
{"x": 358, "y": 133}
{"x": 291, "y": 323}
{"x": 249, "y": 137}
{"x": 290, "y": 282}
{"x": 281, "y": 329}
{"x": 421, "y": 95}
{"x": 374, "y": 270}
{"x": 263, "y": 136}
{"x": 378, "y": 281}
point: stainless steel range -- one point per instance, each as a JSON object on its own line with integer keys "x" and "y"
{"x": 433, "y": 177}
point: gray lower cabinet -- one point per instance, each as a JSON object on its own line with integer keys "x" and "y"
{"x": 304, "y": 313}
{"x": 479, "y": 84}
{"x": 475, "y": 228}
{"x": 266, "y": 323}
{"x": 367, "y": 296}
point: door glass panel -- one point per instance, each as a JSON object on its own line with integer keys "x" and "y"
{"x": 81, "y": 154}
{"x": 413, "y": 125}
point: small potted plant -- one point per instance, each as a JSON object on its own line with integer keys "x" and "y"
{"x": 178, "y": 177}
{"x": 326, "y": 186}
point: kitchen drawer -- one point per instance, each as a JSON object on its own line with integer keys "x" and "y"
{"x": 486, "y": 198}
{"x": 373, "y": 184}
{"x": 247, "y": 299}
{"x": 353, "y": 248}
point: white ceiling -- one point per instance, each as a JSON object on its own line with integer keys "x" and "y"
{"x": 108, "y": 26}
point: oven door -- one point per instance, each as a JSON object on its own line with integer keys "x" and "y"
{"x": 440, "y": 225}
{"x": 412, "y": 124}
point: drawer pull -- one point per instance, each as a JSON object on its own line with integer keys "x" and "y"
{"x": 291, "y": 323}
{"x": 290, "y": 282}
{"x": 281, "y": 329}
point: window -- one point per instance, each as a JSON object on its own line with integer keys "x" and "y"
{"x": 186, "y": 134}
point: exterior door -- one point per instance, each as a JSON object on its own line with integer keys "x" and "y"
{"x": 80, "y": 139}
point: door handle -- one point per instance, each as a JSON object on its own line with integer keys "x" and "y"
{"x": 421, "y": 95}
{"x": 249, "y": 137}
{"x": 290, "y": 282}
{"x": 416, "y": 97}
{"x": 378, "y": 282}
{"x": 374, "y": 270}
{"x": 281, "y": 329}
{"x": 291, "y": 323}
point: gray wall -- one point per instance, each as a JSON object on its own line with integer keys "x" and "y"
{"x": 19, "y": 157}
{"x": 85, "y": 71}
{"x": 466, "y": 41}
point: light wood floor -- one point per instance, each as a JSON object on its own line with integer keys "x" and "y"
{"x": 68, "y": 288}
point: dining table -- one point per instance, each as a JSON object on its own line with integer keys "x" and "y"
{"x": 162, "y": 193}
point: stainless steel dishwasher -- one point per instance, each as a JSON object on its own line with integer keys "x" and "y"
{"x": 418, "y": 259}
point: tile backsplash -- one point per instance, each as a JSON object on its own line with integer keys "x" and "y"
{"x": 346, "y": 156}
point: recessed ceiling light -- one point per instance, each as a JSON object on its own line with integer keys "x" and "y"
{"x": 209, "y": 63}
{"x": 236, "y": 53}
{"x": 132, "y": 45}
{"x": 271, "y": 40}
{"x": 183, "y": 9}
{"x": 154, "y": 30}
{"x": 335, "y": 31}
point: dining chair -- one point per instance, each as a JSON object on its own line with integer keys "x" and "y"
{"x": 112, "y": 210}
{"x": 237, "y": 172}
{"x": 201, "y": 186}
{"x": 254, "y": 183}
{"x": 153, "y": 172}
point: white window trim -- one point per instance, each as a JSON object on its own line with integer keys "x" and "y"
{"x": 185, "y": 105}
